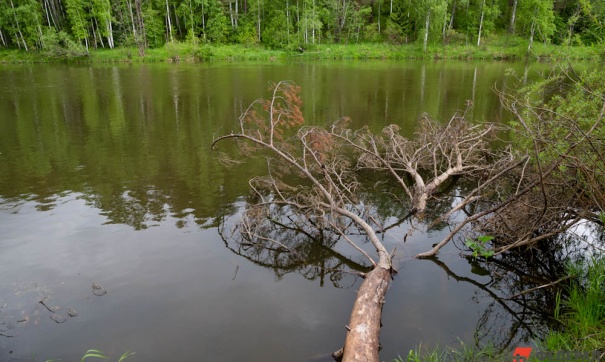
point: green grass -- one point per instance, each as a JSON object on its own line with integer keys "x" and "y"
{"x": 462, "y": 353}
{"x": 501, "y": 47}
{"x": 582, "y": 313}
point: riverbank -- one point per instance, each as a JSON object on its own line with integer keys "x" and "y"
{"x": 580, "y": 332}
{"x": 502, "y": 48}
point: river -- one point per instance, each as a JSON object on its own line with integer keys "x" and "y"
{"x": 107, "y": 177}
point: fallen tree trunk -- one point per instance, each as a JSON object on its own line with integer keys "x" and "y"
{"x": 362, "y": 340}
{"x": 329, "y": 197}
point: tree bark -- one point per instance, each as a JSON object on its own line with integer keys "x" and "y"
{"x": 531, "y": 36}
{"x": 362, "y": 340}
{"x": 258, "y": 20}
{"x": 426, "y": 30}
{"x": 481, "y": 23}
{"x": 513, "y": 15}
{"x": 170, "y": 23}
{"x": 141, "y": 39}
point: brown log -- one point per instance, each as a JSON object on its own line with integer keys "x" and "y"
{"x": 362, "y": 340}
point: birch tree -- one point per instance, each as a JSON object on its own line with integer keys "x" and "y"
{"x": 537, "y": 18}
{"x": 513, "y": 17}
{"x": 488, "y": 14}
{"x": 101, "y": 10}
{"x": 77, "y": 12}
{"x": 428, "y": 15}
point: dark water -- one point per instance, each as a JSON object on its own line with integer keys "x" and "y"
{"x": 107, "y": 177}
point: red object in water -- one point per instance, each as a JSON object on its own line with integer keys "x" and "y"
{"x": 521, "y": 354}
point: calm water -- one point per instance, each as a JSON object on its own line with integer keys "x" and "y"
{"x": 106, "y": 176}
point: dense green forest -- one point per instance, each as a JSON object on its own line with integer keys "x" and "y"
{"x": 55, "y": 26}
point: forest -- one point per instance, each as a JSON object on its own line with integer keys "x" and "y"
{"x": 79, "y": 26}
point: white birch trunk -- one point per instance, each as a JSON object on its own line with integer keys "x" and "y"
{"x": 19, "y": 28}
{"x": 46, "y": 12}
{"x": 481, "y": 23}
{"x": 169, "y": 22}
{"x": 452, "y": 17}
{"x": 231, "y": 15}
{"x": 444, "y": 26}
{"x": 288, "y": 20}
{"x": 313, "y": 28}
{"x": 426, "y": 29}
{"x": 110, "y": 35}
{"x": 134, "y": 30}
{"x": 258, "y": 20}
{"x": 379, "y": 17}
{"x": 513, "y": 15}
{"x": 533, "y": 29}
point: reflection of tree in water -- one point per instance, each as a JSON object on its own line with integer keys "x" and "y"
{"x": 523, "y": 286}
{"x": 289, "y": 240}
{"x": 287, "y": 247}
{"x": 518, "y": 283}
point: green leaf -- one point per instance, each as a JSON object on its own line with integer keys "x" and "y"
{"x": 125, "y": 356}
{"x": 470, "y": 243}
{"x": 93, "y": 353}
{"x": 485, "y": 238}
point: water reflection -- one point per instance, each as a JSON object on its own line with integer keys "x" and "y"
{"x": 107, "y": 171}
{"x": 517, "y": 291}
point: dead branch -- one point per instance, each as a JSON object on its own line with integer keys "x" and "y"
{"x": 310, "y": 175}
{"x": 433, "y": 156}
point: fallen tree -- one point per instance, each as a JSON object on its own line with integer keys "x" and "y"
{"x": 322, "y": 194}
{"x": 314, "y": 190}
{"x": 313, "y": 187}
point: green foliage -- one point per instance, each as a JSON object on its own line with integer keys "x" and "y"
{"x": 284, "y": 23}
{"x": 77, "y": 11}
{"x": 537, "y": 15}
{"x": 417, "y": 355}
{"x": 275, "y": 34}
{"x": 462, "y": 353}
{"x": 101, "y": 10}
{"x": 93, "y": 353}
{"x": 431, "y": 12}
{"x": 480, "y": 246}
{"x": 217, "y": 26}
{"x": 60, "y": 45}
{"x": 154, "y": 28}
{"x": 560, "y": 110}
{"x": 246, "y": 33}
{"x": 582, "y": 313}
{"x": 399, "y": 25}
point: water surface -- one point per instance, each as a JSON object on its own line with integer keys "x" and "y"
{"x": 107, "y": 177}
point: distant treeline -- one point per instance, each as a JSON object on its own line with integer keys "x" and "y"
{"x": 75, "y": 26}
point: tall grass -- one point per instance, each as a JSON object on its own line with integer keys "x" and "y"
{"x": 581, "y": 317}
{"x": 582, "y": 313}
{"x": 462, "y": 353}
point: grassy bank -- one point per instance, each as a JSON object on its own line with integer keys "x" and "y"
{"x": 496, "y": 48}
{"x": 581, "y": 317}
{"x": 582, "y": 313}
